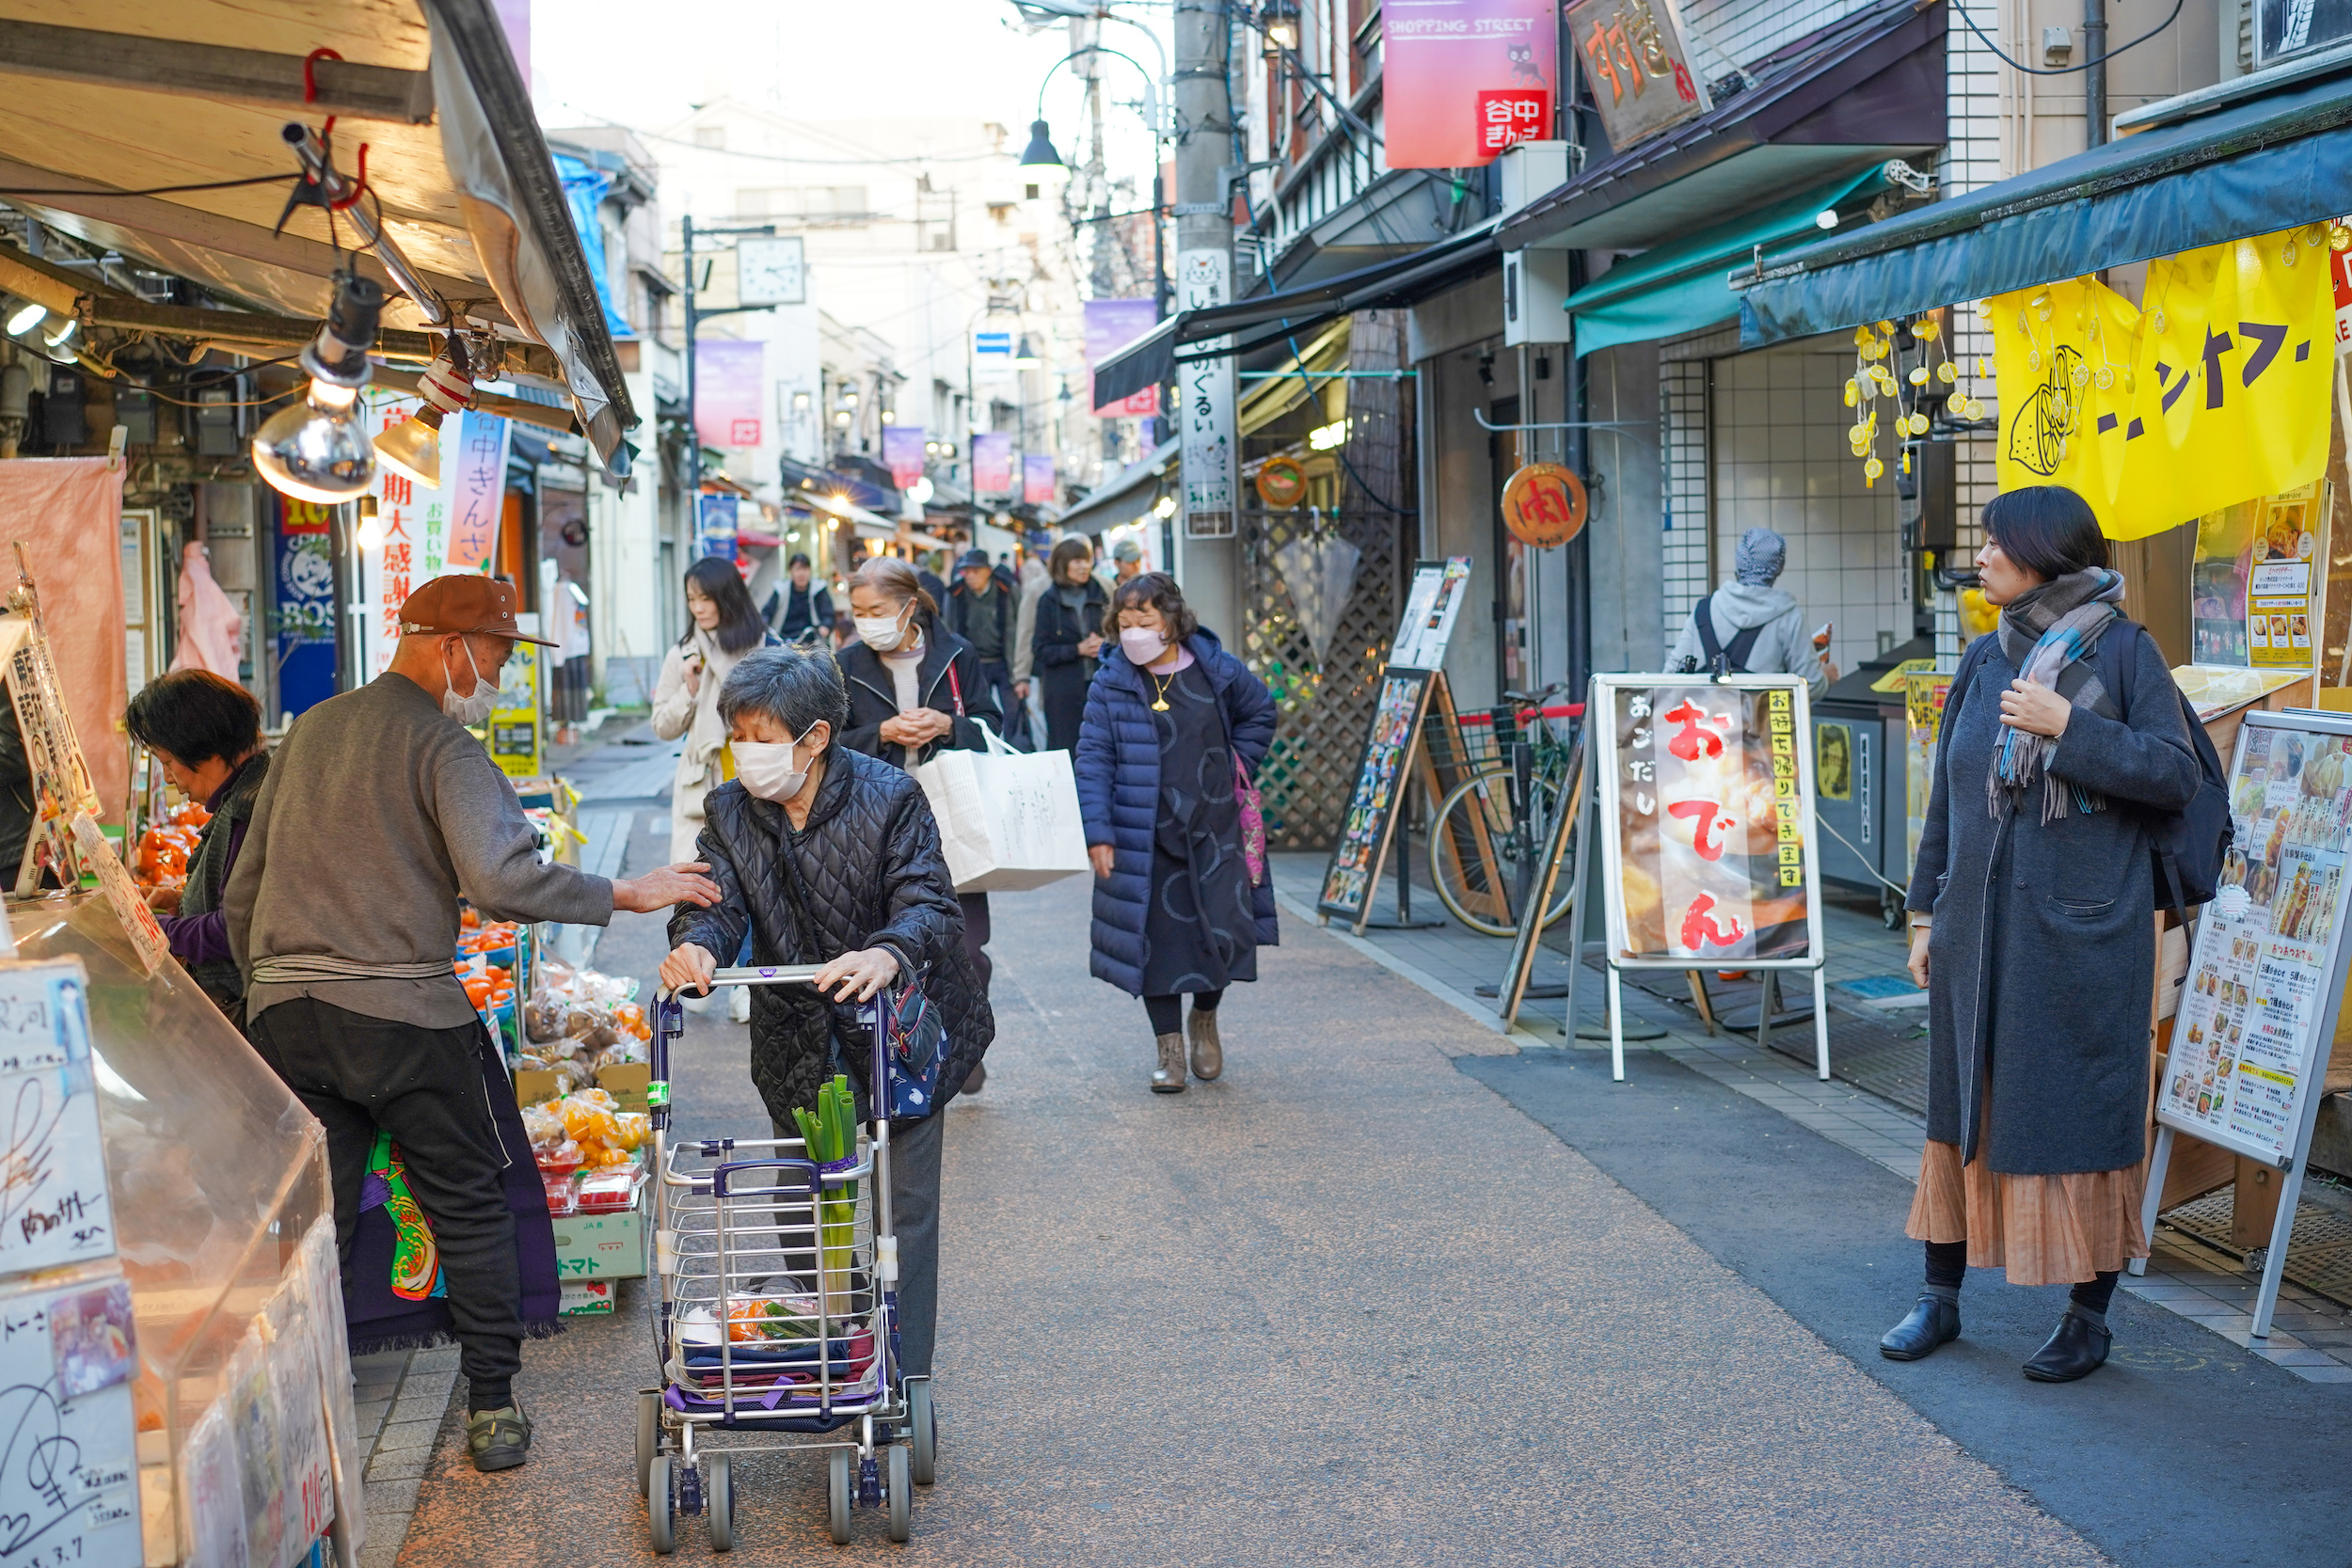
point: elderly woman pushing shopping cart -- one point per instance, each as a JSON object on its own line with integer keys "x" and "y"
{"x": 832, "y": 861}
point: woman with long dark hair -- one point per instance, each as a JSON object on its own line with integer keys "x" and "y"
{"x": 1176, "y": 722}
{"x": 1069, "y": 639}
{"x": 722, "y": 625}
{"x": 2032, "y": 913}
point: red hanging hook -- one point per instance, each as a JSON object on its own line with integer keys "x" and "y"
{"x": 311, "y": 84}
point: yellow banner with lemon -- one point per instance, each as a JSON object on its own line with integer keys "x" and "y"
{"x": 2215, "y": 392}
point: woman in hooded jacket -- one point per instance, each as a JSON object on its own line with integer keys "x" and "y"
{"x": 1173, "y": 726}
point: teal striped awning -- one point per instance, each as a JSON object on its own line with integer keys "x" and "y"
{"x": 1679, "y": 288}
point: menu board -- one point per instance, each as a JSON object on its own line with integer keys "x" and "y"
{"x": 2257, "y": 1011}
{"x": 1707, "y": 821}
{"x": 1347, "y": 881}
{"x": 2255, "y": 582}
{"x": 1431, "y": 607}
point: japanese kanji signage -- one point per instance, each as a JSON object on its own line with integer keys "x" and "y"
{"x": 1464, "y": 79}
{"x": 1631, "y": 53}
{"x": 474, "y": 464}
{"x": 1204, "y": 397}
{"x": 391, "y": 569}
{"x": 1706, "y": 815}
{"x": 1544, "y": 505}
{"x": 2213, "y": 392}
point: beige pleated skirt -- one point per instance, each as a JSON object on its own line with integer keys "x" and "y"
{"x": 2044, "y": 1229}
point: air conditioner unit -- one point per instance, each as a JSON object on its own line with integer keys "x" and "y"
{"x": 1534, "y": 294}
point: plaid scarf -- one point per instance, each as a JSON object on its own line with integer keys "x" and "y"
{"x": 2050, "y": 633}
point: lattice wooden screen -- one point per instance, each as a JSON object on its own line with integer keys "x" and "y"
{"x": 1324, "y": 713}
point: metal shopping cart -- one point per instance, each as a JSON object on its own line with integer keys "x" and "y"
{"x": 775, "y": 1313}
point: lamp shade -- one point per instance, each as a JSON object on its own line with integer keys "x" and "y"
{"x": 1038, "y": 159}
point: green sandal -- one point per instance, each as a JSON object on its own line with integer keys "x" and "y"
{"x": 498, "y": 1440}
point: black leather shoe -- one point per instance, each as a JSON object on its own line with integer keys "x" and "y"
{"x": 1933, "y": 1324}
{"x": 2076, "y": 1348}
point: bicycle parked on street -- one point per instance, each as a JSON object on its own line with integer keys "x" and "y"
{"x": 775, "y": 1311}
{"x": 1489, "y": 834}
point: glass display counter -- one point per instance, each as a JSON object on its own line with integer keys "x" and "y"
{"x": 225, "y": 1232}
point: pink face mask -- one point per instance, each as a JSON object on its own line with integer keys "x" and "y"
{"x": 1141, "y": 644}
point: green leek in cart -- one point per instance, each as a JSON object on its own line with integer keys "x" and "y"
{"x": 830, "y": 1132}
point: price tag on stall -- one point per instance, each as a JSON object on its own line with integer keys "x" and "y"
{"x": 122, "y": 894}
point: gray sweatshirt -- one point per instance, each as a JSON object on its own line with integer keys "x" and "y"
{"x": 378, "y": 812}
{"x": 1784, "y": 647}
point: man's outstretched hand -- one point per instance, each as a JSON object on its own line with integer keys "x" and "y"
{"x": 669, "y": 885}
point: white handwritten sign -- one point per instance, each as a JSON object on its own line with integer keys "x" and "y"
{"x": 68, "y": 1460}
{"x": 122, "y": 894}
{"x": 54, "y": 1203}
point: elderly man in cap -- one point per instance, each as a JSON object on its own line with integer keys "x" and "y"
{"x": 380, "y": 811}
{"x": 1126, "y": 562}
{"x": 1751, "y": 626}
{"x": 981, "y": 611}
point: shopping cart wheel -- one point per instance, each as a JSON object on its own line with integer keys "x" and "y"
{"x": 648, "y": 1438}
{"x": 901, "y": 1495}
{"x": 837, "y": 1493}
{"x": 721, "y": 1503}
{"x": 657, "y": 1520}
{"x": 924, "y": 1427}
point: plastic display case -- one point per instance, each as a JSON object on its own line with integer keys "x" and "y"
{"x": 224, "y": 1226}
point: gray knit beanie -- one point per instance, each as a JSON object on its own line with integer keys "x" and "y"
{"x": 1760, "y": 557}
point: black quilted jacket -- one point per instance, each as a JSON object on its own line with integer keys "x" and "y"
{"x": 868, "y": 873}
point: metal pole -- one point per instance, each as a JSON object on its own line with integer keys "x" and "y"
{"x": 693, "y": 435}
{"x": 2095, "y": 72}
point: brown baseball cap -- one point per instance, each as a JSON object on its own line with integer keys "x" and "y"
{"x": 465, "y": 602}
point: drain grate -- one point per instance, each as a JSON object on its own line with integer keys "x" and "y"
{"x": 2319, "y": 1253}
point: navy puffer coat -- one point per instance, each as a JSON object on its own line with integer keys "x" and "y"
{"x": 1118, "y": 766}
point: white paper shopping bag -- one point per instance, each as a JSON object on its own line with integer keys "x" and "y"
{"x": 1008, "y": 819}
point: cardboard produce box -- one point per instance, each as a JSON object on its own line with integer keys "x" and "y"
{"x": 601, "y": 1247}
{"x": 533, "y": 1086}
{"x": 625, "y": 1082}
{"x": 583, "y": 1298}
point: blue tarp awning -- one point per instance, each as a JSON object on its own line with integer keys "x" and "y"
{"x": 1679, "y": 288}
{"x": 2250, "y": 167}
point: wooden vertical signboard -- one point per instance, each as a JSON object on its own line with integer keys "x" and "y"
{"x": 1413, "y": 678}
{"x": 2259, "y": 1012}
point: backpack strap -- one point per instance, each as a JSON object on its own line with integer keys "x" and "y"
{"x": 2119, "y": 667}
{"x": 1961, "y": 676}
{"x": 1703, "y": 617}
{"x": 1742, "y": 646}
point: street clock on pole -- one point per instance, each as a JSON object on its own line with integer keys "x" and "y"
{"x": 771, "y": 271}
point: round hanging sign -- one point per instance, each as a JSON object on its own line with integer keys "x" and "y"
{"x": 1544, "y": 505}
{"x": 1281, "y": 483}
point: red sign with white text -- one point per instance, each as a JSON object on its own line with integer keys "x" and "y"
{"x": 1445, "y": 61}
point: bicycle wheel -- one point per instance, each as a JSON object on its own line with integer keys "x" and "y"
{"x": 1481, "y": 853}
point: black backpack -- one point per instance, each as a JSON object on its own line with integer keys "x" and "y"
{"x": 2187, "y": 846}
{"x": 1721, "y": 658}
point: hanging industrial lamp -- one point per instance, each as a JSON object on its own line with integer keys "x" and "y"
{"x": 317, "y": 450}
{"x": 413, "y": 447}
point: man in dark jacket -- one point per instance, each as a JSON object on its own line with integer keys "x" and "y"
{"x": 980, "y": 611}
{"x": 799, "y": 605}
{"x": 828, "y": 857}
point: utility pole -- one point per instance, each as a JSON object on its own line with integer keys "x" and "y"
{"x": 2095, "y": 74}
{"x": 695, "y": 316}
{"x": 1207, "y": 557}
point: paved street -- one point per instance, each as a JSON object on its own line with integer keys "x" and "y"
{"x": 1370, "y": 1300}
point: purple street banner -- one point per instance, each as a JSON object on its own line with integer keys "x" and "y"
{"x": 1037, "y": 478}
{"x": 902, "y": 453}
{"x": 991, "y": 463}
{"x": 476, "y": 481}
{"x": 726, "y": 391}
{"x": 1111, "y": 325}
{"x": 1463, "y": 79}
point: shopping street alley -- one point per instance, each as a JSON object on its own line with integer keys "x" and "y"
{"x": 1399, "y": 1290}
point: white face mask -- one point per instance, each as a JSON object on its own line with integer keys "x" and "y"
{"x": 882, "y": 633}
{"x": 1141, "y": 644}
{"x": 472, "y": 710}
{"x": 767, "y": 768}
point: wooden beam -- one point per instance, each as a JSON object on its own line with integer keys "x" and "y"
{"x": 267, "y": 331}
{"x": 212, "y": 71}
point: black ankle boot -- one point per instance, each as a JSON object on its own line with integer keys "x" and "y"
{"x": 2076, "y": 1348}
{"x": 1932, "y": 1324}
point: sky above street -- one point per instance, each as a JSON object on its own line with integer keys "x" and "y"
{"x": 646, "y": 63}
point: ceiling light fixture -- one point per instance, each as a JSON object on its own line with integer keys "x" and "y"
{"x": 413, "y": 447}
{"x": 317, "y": 450}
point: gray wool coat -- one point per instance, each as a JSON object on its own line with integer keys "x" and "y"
{"x": 2043, "y": 958}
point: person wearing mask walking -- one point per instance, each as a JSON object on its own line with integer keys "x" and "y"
{"x": 205, "y": 731}
{"x": 799, "y": 608}
{"x": 2033, "y": 934}
{"x": 824, "y": 856}
{"x": 1175, "y": 720}
{"x": 1069, "y": 639}
{"x": 980, "y": 611}
{"x": 1755, "y": 627}
{"x": 380, "y": 812}
{"x": 916, "y": 689}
